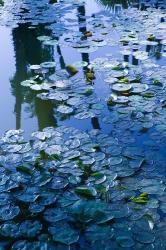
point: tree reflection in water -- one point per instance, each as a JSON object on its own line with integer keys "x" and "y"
{"x": 28, "y": 50}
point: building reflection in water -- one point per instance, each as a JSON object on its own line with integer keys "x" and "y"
{"x": 85, "y": 56}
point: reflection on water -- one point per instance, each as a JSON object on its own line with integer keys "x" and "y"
{"x": 28, "y": 50}
{"x": 115, "y": 5}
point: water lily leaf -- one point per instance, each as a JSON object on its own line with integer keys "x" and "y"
{"x": 58, "y": 183}
{"x": 80, "y": 64}
{"x": 30, "y": 228}
{"x": 48, "y": 65}
{"x": 115, "y": 160}
{"x": 36, "y": 208}
{"x": 9, "y": 212}
{"x": 36, "y": 87}
{"x": 86, "y": 191}
{"x": 64, "y": 234}
{"x": 28, "y": 197}
{"x": 21, "y": 244}
{"x": 74, "y": 101}
{"x": 99, "y": 178}
{"x": 44, "y": 38}
{"x": 62, "y": 84}
{"x": 94, "y": 233}
{"x": 52, "y": 42}
{"x": 54, "y": 215}
{"x": 28, "y": 83}
{"x": 24, "y": 169}
{"x": 136, "y": 164}
{"x": 35, "y": 67}
{"x": 125, "y": 241}
{"x": 10, "y": 229}
{"x": 54, "y": 150}
{"x": 118, "y": 87}
{"x": 47, "y": 198}
{"x": 5, "y": 199}
{"x": 145, "y": 237}
{"x": 139, "y": 88}
{"x": 57, "y": 96}
{"x": 65, "y": 109}
{"x": 84, "y": 115}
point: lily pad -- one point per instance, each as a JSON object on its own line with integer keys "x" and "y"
{"x": 48, "y": 65}
{"x": 121, "y": 87}
{"x": 86, "y": 191}
{"x": 64, "y": 234}
{"x": 9, "y": 212}
{"x": 65, "y": 109}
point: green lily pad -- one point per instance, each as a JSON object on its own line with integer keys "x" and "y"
{"x": 86, "y": 191}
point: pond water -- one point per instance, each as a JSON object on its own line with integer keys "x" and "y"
{"x": 90, "y": 78}
{"x": 20, "y": 49}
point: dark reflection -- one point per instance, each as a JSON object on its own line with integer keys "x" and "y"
{"x": 115, "y": 5}
{"x": 44, "y": 112}
{"x": 95, "y": 123}
{"x": 126, "y": 58}
{"x": 52, "y": 1}
{"x": 85, "y": 56}
{"x": 28, "y": 50}
{"x": 61, "y": 58}
{"x": 134, "y": 61}
{"x": 83, "y": 30}
{"x": 155, "y": 50}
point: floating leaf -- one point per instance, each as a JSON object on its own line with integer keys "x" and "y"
{"x": 9, "y": 212}
{"x": 64, "y": 234}
{"x": 30, "y": 228}
{"x": 86, "y": 191}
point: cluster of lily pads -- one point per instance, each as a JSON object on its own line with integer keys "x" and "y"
{"x": 67, "y": 188}
{"x": 70, "y": 97}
